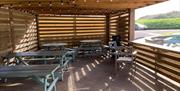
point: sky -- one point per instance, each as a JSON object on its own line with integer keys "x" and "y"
{"x": 168, "y": 6}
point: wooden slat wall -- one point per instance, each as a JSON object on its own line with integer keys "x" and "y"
{"x": 5, "y": 32}
{"x": 56, "y": 29}
{"x": 113, "y": 25}
{"x": 90, "y": 27}
{"x": 119, "y": 25}
{"x": 71, "y": 28}
{"x": 123, "y": 26}
{"x": 164, "y": 66}
{"x": 17, "y": 32}
{"x": 25, "y": 32}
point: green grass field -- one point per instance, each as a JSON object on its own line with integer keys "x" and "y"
{"x": 170, "y": 23}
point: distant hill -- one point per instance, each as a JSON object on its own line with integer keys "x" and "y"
{"x": 173, "y": 14}
{"x": 168, "y": 23}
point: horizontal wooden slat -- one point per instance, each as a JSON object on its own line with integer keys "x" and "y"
{"x": 165, "y": 62}
{"x": 25, "y": 32}
{"x": 169, "y": 75}
{"x": 71, "y": 29}
{"x": 5, "y": 33}
{"x": 174, "y": 63}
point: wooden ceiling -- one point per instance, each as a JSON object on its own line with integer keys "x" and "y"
{"x": 76, "y": 6}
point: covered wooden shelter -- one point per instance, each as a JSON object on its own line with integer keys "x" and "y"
{"x": 27, "y": 24}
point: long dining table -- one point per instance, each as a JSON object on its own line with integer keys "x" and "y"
{"x": 39, "y": 72}
{"x": 25, "y": 57}
{"x": 54, "y": 46}
{"x": 47, "y": 75}
{"x": 90, "y": 47}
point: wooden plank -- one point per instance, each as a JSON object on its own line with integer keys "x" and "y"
{"x": 169, "y": 75}
{"x": 55, "y": 18}
{"x": 61, "y": 27}
{"x": 169, "y": 68}
{"x": 56, "y": 24}
{"x": 151, "y": 66}
{"x": 67, "y": 16}
{"x": 170, "y": 61}
{"x": 55, "y": 32}
{"x": 71, "y": 32}
{"x": 79, "y": 19}
{"x": 147, "y": 60}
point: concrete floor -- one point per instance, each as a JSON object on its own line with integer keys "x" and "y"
{"x": 93, "y": 74}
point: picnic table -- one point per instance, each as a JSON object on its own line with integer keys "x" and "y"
{"x": 41, "y": 73}
{"x": 54, "y": 46}
{"x": 48, "y": 75}
{"x": 61, "y": 58}
{"x": 90, "y": 47}
{"x": 25, "y": 57}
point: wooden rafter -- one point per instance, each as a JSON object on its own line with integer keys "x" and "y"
{"x": 78, "y": 1}
{"x": 77, "y": 6}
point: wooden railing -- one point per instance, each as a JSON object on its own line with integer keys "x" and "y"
{"x": 162, "y": 62}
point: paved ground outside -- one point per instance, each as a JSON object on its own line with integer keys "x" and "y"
{"x": 146, "y": 33}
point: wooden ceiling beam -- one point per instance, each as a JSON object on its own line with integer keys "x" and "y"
{"x": 88, "y": 3}
{"x": 115, "y": 6}
{"x": 78, "y": 1}
{"x": 76, "y": 6}
{"x": 68, "y": 10}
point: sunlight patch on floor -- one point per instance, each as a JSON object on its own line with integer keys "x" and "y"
{"x": 89, "y": 69}
{"x": 14, "y": 84}
{"x": 83, "y": 71}
{"x": 77, "y": 76}
{"x": 71, "y": 82}
{"x": 93, "y": 65}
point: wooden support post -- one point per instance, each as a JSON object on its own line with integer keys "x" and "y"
{"x": 37, "y": 28}
{"x": 11, "y": 29}
{"x": 74, "y": 41}
{"x": 131, "y": 24}
{"x": 107, "y": 28}
{"x": 119, "y": 31}
{"x": 157, "y": 63}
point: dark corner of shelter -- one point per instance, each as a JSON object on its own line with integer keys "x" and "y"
{"x": 80, "y": 45}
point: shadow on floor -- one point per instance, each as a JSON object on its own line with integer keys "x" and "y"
{"x": 97, "y": 74}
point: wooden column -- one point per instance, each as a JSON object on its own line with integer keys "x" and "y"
{"x": 11, "y": 24}
{"x": 37, "y": 28}
{"x": 107, "y": 28}
{"x": 74, "y": 41}
{"x": 131, "y": 24}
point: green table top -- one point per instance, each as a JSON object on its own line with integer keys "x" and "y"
{"x": 26, "y": 70}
